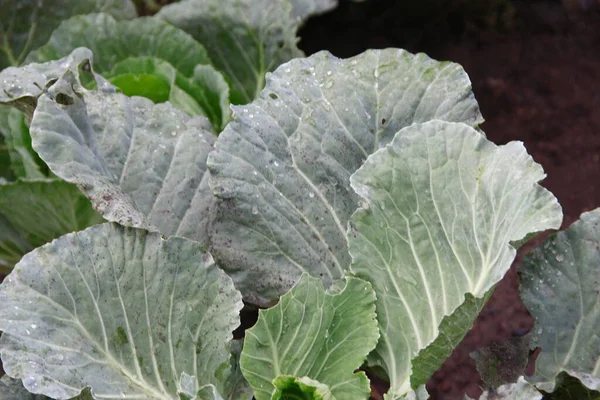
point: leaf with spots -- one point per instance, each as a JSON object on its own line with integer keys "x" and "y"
{"x": 442, "y": 206}
{"x": 119, "y": 310}
{"x": 560, "y": 286}
{"x": 140, "y": 164}
{"x": 282, "y": 167}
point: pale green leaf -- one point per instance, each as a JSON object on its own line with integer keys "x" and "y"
{"x": 119, "y": 310}
{"x": 27, "y": 24}
{"x": 13, "y": 389}
{"x": 442, "y": 205}
{"x": 315, "y": 334}
{"x": 245, "y": 38}
{"x": 560, "y": 286}
{"x": 20, "y": 87}
{"x": 140, "y": 164}
{"x": 111, "y": 41}
{"x": 282, "y": 166}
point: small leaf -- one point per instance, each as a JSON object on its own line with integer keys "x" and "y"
{"x": 441, "y": 206}
{"x": 560, "y": 286}
{"x": 290, "y": 387}
{"x": 205, "y": 93}
{"x": 314, "y": 334}
{"x": 20, "y": 87}
{"x": 245, "y": 39}
{"x": 119, "y": 310}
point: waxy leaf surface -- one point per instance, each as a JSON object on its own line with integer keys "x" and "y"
{"x": 441, "y": 207}
{"x": 282, "y": 167}
{"x": 120, "y": 310}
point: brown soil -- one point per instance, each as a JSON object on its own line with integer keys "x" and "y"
{"x": 535, "y": 68}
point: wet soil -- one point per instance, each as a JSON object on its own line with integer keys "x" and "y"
{"x": 535, "y": 69}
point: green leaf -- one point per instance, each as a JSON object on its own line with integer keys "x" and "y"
{"x": 20, "y": 87}
{"x": 282, "y": 166}
{"x": 43, "y": 210}
{"x": 12, "y": 246}
{"x": 290, "y": 387}
{"x": 140, "y": 164}
{"x": 119, "y": 310}
{"x": 245, "y": 39}
{"x": 13, "y": 389}
{"x": 205, "y": 93}
{"x": 315, "y": 334}
{"x": 112, "y": 41}
{"x": 27, "y": 24}
{"x": 24, "y": 161}
{"x": 560, "y": 286}
{"x": 442, "y": 205}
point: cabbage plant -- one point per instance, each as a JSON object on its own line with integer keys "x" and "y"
{"x": 356, "y": 201}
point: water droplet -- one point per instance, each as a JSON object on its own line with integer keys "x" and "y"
{"x": 376, "y": 73}
{"x": 558, "y": 273}
{"x": 329, "y": 84}
{"x": 560, "y": 257}
{"x": 33, "y": 326}
{"x": 254, "y": 209}
{"x": 328, "y": 72}
{"x": 30, "y": 382}
{"x": 173, "y": 133}
{"x": 28, "y": 331}
{"x": 255, "y": 173}
{"x": 251, "y": 115}
{"x": 311, "y": 195}
{"x": 539, "y": 331}
{"x": 326, "y": 333}
{"x": 275, "y": 163}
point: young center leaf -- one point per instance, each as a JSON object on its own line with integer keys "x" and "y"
{"x": 313, "y": 339}
{"x": 174, "y": 55}
{"x": 140, "y": 164}
{"x": 560, "y": 286}
{"x": 441, "y": 207}
{"x": 27, "y": 24}
{"x": 245, "y": 38}
{"x": 281, "y": 168}
{"x": 119, "y": 310}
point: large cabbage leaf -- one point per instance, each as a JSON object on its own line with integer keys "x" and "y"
{"x": 140, "y": 164}
{"x": 245, "y": 38}
{"x": 120, "y": 310}
{"x": 27, "y": 24}
{"x": 282, "y": 166}
{"x": 560, "y": 286}
{"x": 442, "y": 206}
